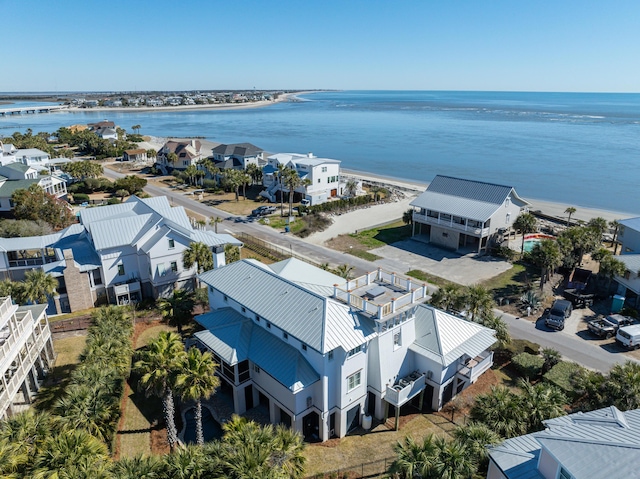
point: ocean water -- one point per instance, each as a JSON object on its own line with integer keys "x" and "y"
{"x": 580, "y": 149}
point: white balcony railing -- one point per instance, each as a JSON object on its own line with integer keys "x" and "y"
{"x": 470, "y": 230}
{"x": 405, "y": 389}
{"x": 473, "y": 368}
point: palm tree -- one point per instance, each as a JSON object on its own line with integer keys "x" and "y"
{"x": 478, "y": 301}
{"x": 414, "y": 459}
{"x": 547, "y": 256}
{"x": 623, "y": 386}
{"x": 540, "y": 402}
{"x": 151, "y": 153}
{"x": 452, "y": 460}
{"x": 476, "y": 437}
{"x": 215, "y": 221}
{"x": 232, "y": 179}
{"x": 25, "y": 432}
{"x": 611, "y": 267}
{"x": 615, "y": 226}
{"x": 292, "y": 181}
{"x": 570, "y": 210}
{"x": 136, "y": 128}
{"x": 122, "y": 193}
{"x": 158, "y": 366}
{"x": 72, "y": 453}
{"x": 288, "y": 451}
{"x": 188, "y": 462}
{"x": 345, "y": 271}
{"x": 138, "y": 467}
{"x": 89, "y": 408}
{"x": 407, "y": 216}
{"x": 172, "y": 158}
{"x": 197, "y": 381}
{"x": 599, "y": 226}
{"x": 191, "y": 172}
{"x": 501, "y": 410}
{"x": 551, "y": 358}
{"x": 351, "y": 187}
{"x": 178, "y": 308}
{"x": 200, "y": 255}
{"x": 377, "y": 191}
{"x": 38, "y": 285}
{"x": 254, "y": 172}
{"x": 496, "y": 323}
{"x": 525, "y": 223}
{"x": 448, "y": 298}
{"x": 231, "y": 253}
{"x": 281, "y": 172}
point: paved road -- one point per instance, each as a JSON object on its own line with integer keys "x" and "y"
{"x": 573, "y": 348}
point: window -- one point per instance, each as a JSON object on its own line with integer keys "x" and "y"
{"x": 353, "y": 381}
{"x": 225, "y": 298}
{"x": 285, "y": 335}
{"x": 172, "y": 243}
{"x": 304, "y": 347}
{"x": 507, "y": 201}
{"x": 257, "y": 318}
{"x": 564, "y": 474}
{"x": 355, "y": 350}
{"x": 318, "y": 180}
{"x": 330, "y": 355}
{"x": 324, "y": 169}
{"x": 174, "y": 266}
{"x": 268, "y": 325}
{"x": 244, "y": 310}
{"x": 397, "y": 339}
{"x": 120, "y": 269}
{"x": 97, "y": 278}
{"x": 256, "y": 368}
{"x": 161, "y": 269}
{"x": 508, "y": 219}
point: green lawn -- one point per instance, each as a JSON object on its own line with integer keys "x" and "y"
{"x": 383, "y": 235}
{"x": 68, "y": 352}
{"x": 427, "y": 278}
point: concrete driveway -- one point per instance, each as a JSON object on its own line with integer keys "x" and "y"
{"x": 465, "y": 270}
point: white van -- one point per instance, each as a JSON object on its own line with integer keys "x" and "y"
{"x": 629, "y": 336}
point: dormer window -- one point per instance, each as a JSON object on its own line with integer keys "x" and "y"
{"x": 172, "y": 243}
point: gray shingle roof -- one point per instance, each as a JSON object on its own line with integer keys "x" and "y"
{"x": 239, "y": 149}
{"x": 10, "y": 186}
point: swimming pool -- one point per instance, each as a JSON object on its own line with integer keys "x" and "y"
{"x": 531, "y": 240}
{"x": 211, "y": 429}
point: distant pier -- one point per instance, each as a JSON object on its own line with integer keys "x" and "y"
{"x": 27, "y": 110}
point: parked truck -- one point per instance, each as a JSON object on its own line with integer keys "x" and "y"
{"x": 608, "y": 327}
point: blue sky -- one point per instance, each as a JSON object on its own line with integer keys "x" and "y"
{"x": 567, "y": 45}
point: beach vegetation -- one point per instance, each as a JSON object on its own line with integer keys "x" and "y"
{"x": 620, "y": 387}
{"x": 383, "y": 235}
{"x": 570, "y": 211}
{"x": 547, "y": 255}
{"x": 83, "y": 169}
{"x": 231, "y": 254}
{"x": 407, "y": 217}
{"x": 177, "y": 309}
{"x": 345, "y": 271}
{"x": 561, "y": 375}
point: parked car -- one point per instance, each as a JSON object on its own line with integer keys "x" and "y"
{"x": 608, "y": 327}
{"x": 263, "y": 210}
{"x": 560, "y": 310}
{"x": 629, "y": 336}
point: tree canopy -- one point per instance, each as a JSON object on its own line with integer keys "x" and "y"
{"x": 35, "y": 204}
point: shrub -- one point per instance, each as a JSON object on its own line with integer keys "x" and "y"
{"x": 560, "y": 375}
{"x": 529, "y": 365}
{"x": 80, "y": 197}
{"x": 114, "y": 201}
{"x": 518, "y": 346}
{"x": 208, "y": 184}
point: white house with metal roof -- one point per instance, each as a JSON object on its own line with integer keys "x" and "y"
{"x": 321, "y": 353}
{"x": 323, "y": 177}
{"x": 601, "y": 444}
{"x": 465, "y": 215}
{"x": 122, "y": 252}
{"x": 26, "y": 354}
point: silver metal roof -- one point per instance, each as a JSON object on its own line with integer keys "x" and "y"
{"x": 446, "y": 338}
{"x": 600, "y": 444}
{"x": 631, "y": 261}
{"x": 456, "y": 206}
{"x": 304, "y": 312}
{"x": 632, "y": 223}
{"x": 236, "y": 338}
{"x": 470, "y": 189}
